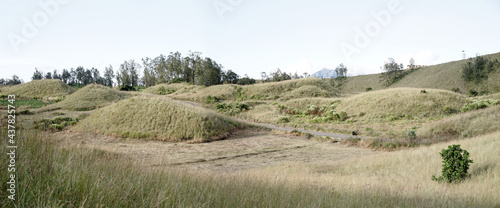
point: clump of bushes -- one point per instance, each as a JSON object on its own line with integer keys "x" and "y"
{"x": 448, "y": 110}
{"x": 455, "y": 164}
{"x": 212, "y": 99}
{"x": 232, "y": 108}
{"x": 473, "y": 93}
{"x": 455, "y": 89}
{"x": 477, "y": 69}
{"x": 284, "y": 119}
{"x": 163, "y": 91}
{"x": 56, "y": 124}
{"x": 316, "y": 114}
{"x": 423, "y": 91}
{"x": 479, "y": 104}
{"x": 368, "y": 89}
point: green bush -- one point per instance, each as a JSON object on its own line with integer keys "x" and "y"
{"x": 455, "y": 164}
{"x": 211, "y": 99}
{"x": 368, "y": 89}
{"x": 163, "y": 91}
{"x": 411, "y": 134}
{"x": 56, "y": 124}
{"x": 342, "y": 116}
{"x": 423, "y": 91}
{"x": 455, "y": 90}
{"x": 284, "y": 119}
{"x": 448, "y": 110}
{"x": 232, "y": 108}
{"x": 479, "y": 104}
{"x": 473, "y": 93}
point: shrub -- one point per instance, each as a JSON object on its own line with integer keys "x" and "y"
{"x": 423, "y": 91}
{"x": 56, "y": 124}
{"x": 342, "y": 116}
{"x": 473, "y": 93}
{"x": 455, "y": 90}
{"x": 211, "y": 99}
{"x": 411, "y": 134}
{"x": 447, "y": 109}
{"x": 284, "y": 119}
{"x": 163, "y": 91}
{"x": 25, "y": 112}
{"x": 232, "y": 108}
{"x": 455, "y": 164}
{"x": 480, "y": 104}
{"x": 368, "y": 89}
{"x": 465, "y": 134}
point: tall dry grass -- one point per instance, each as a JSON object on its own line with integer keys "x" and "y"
{"x": 90, "y": 97}
{"x": 158, "y": 118}
{"x": 402, "y": 178}
{"x": 48, "y": 88}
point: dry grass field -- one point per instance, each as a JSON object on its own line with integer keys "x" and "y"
{"x": 180, "y": 145}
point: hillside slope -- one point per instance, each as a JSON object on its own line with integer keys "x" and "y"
{"x": 90, "y": 97}
{"x": 48, "y": 88}
{"x": 442, "y": 76}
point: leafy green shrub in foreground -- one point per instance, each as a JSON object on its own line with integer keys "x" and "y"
{"x": 455, "y": 164}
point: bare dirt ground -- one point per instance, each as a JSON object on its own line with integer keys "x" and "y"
{"x": 250, "y": 149}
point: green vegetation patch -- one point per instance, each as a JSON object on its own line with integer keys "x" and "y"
{"x": 56, "y": 124}
{"x": 24, "y": 102}
{"x": 160, "y": 119}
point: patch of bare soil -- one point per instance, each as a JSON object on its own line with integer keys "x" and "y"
{"x": 252, "y": 148}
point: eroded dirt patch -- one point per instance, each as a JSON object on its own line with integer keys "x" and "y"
{"x": 253, "y": 148}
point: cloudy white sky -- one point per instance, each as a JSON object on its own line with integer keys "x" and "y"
{"x": 246, "y": 36}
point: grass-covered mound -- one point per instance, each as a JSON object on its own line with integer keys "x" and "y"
{"x": 160, "y": 119}
{"x": 166, "y": 89}
{"x": 90, "y": 97}
{"x": 48, "y": 88}
{"x": 403, "y": 102}
{"x": 310, "y": 87}
{"x": 285, "y": 90}
{"x": 470, "y": 124}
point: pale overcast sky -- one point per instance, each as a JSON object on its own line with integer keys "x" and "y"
{"x": 246, "y": 36}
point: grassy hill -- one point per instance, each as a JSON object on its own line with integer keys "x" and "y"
{"x": 285, "y": 90}
{"x": 48, "y": 88}
{"x": 401, "y": 102}
{"x": 442, "y": 76}
{"x": 158, "y": 118}
{"x": 90, "y": 97}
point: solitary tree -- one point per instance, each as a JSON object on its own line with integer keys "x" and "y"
{"x": 391, "y": 71}
{"x": 264, "y": 76}
{"x": 412, "y": 63}
{"x": 37, "y": 75}
{"x": 65, "y": 76}
{"x": 108, "y": 76}
{"x": 341, "y": 71}
{"x": 48, "y": 75}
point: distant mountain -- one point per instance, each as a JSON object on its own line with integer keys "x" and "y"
{"x": 324, "y": 73}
